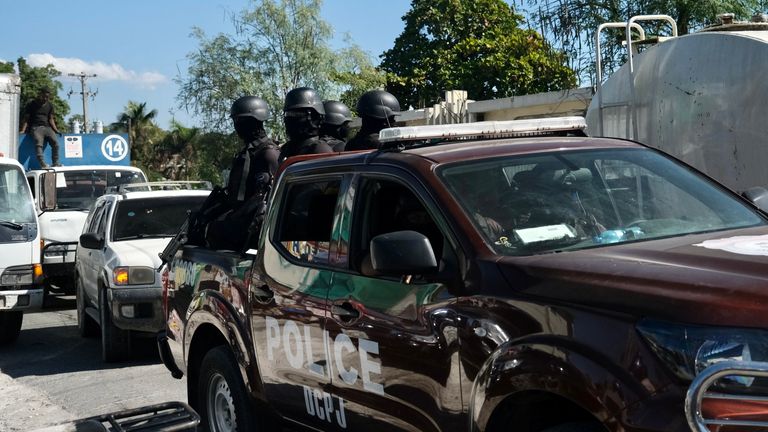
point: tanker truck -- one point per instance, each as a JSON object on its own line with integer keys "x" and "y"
{"x": 700, "y": 97}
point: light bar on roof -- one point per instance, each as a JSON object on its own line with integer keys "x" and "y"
{"x": 487, "y": 129}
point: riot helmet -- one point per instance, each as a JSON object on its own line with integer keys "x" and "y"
{"x": 336, "y": 113}
{"x": 303, "y": 97}
{"x": 303, "y": 113}
{"x": 250, "y": 106}
{"x": 378, "y": 104}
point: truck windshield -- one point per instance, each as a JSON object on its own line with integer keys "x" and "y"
{"x": 77, "y": 190}
{"x": 152, "y": 217}
{"x": 16, "y": 205}
{"x": 581, "y": 199}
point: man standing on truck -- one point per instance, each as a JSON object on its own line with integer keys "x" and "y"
{"x": 38, "y": 120}
{"x": 303, "y": 114}
{"x": 250, "y": 175}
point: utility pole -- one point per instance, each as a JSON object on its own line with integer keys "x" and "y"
{"x": 86, "y": 94}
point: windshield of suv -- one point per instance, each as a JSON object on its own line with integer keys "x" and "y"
{"x": 77, "y": 190}
{"x": 16, "y": 205}
{"x": 563, "y": 201}
{"x": 152, "y": 217}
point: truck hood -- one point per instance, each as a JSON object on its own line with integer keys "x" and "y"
{"x": 17, "y": 254}
{"x": 140, "y": 252}
{"x": 714, "y": 279}
{"x": 62, "y": 226}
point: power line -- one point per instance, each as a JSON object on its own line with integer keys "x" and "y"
{"x": 85, "y": 94}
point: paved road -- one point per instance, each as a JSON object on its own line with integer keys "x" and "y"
{"x": 52, "y": 375}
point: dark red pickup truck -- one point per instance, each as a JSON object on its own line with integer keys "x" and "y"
{"x": 552, "y": 283}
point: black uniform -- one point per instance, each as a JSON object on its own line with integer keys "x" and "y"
{"x": 308, "y": 145}
{"x": 364, "y": 140}
{"x": 334, "y": 143}
{"x": 246, "y": 178}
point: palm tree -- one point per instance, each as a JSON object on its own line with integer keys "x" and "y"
{"x": 138, "y": 122}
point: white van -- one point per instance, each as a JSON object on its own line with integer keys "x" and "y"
{"x": 77, "y": 188}
{"x": 21, "y": 275}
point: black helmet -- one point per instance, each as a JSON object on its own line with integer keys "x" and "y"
{"x": 250, "y": 106}
{"x": 336, "y": 113}
{"x": 303, "y": 97}
{"x": 378, "y": 104}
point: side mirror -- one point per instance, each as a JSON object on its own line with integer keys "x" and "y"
{"x": 47, "y": 198}
{"x": 758, "y": 196}
{"x": 92, "y": 241}
{"x": 402, "y": 253}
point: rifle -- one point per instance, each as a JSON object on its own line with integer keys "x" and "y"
{"x": 257, "y": 220}
{"x": 179, "y": 240}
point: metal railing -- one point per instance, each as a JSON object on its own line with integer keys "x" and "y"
{"x": 161, "y": 185}
{"x": 699, "y": 391}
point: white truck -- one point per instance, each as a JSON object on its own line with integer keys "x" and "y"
{"x": 21, "y": 273}
{"x": 84, "y": 178}
{"x": 700, "y": 97}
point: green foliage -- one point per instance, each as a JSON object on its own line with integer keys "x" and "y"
{"x": 356, "y": 74}
{"x": 277, "y": 45}
{"x": 34, "y": 79}
{"x": 572, "y": 24}
{"x": 143, "y": 133}
{"x": 473, "y": 45}
{"x": 214, "y": 154}
{"x": 7, "y": 67}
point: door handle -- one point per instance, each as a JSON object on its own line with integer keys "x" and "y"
{"x": 345, "y": 312}
{"x": 262, "y": 294}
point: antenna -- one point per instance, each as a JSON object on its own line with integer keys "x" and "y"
{"x": 85, "y": 94}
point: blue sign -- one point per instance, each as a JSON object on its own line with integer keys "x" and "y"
{"x": 79, "y": 149}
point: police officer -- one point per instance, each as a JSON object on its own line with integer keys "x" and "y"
{"x": 250, "y": 175}
{"x": 335, "y": 125}
{"x": 303, "y": 114}
{"x": 377, "y": 109}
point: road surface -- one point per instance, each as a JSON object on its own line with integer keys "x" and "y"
{"x": 52, "y": 375}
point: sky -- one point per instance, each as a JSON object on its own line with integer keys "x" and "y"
{"x": 138, "y": 48}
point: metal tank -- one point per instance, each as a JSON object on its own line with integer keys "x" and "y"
{"x": 702, "y": 97}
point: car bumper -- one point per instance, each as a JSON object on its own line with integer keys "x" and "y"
{"x": 166, "y": 356}
{"x": 26, "y": 299}
{"x": 137, "y": 309}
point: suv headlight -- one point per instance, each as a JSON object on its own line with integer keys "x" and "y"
{"x": 21, "y": 275}
{"x": 687, "y": 350}
{"x": 133, "y": 275}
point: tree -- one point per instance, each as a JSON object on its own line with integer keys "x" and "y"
{"x": 277, "y": 45}
{"x": 7, "y": 67}
{"x": 572, "y": 24}
{"x": 34, "y": 79}
{"x": 357, "y": 76}
{"x": 473, "y": 45}
{"x": 141, "y": 130}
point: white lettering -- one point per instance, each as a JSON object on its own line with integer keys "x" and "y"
{"x": 273, "y": 336}
{"x": 296, "y": 360}
{"x": 341, "y": 417}
{"x": 343, "y": 342}
{"x": 319, "y": 409}
{"x": 320, "y": 404}
{"x": 309, "y": 400}
{"x": 368, "y": 367}
{"x": 313, "y": 367}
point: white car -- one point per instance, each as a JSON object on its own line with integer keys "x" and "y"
{"x": 117, "y": 285}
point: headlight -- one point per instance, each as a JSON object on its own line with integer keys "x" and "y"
{"x": 688, "y": 349}
{"x": 20, "y": 275}
{"x": 134, "y": 275}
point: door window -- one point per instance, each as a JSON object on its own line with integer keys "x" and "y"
{"x": 307, "y": 220}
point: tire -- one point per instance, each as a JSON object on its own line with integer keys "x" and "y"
{"x": 115, "y": 342}
{"x": 221, "y": 398}
{"x": 10, "y": 326}
{"x": 86, "y": 326}
{"x": 576, "y": 427}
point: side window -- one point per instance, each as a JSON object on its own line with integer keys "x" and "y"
{"x": 307, "y": 220}
{"x": 93, "y": 219}
{"x": 386, "y": 206}
{"x": 31, "y": 181}
{"x": 102, "y": 224}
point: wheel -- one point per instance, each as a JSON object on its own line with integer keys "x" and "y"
{"x": 575, "y": 427}
{"x": 86, "y": 326}
{"x": 115, "y": 342}
{"x": 10, "y": 326}
{"x": 222, "y": 400}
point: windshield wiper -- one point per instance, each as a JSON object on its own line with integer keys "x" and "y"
{"x": 144, "y": 236}
{"x": 11, "y": 225}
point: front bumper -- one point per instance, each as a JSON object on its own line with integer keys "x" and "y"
{"x": 139, "y": 309}
{"x": 22, "y": 299}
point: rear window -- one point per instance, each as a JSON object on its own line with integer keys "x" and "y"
{"x": 78, "y": 190}
{"x": 152, "y": 217}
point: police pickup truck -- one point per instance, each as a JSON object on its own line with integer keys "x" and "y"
{"x": 481, "y": 277}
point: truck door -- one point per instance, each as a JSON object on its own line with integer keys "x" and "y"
{"x": 394, "y": 354}
{"x": 88, "y": 259}
{"x": 289, "y": 290}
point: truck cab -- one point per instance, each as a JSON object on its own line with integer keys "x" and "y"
{"x": 77, "y": 188}
{"x": 21, "y": 287}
